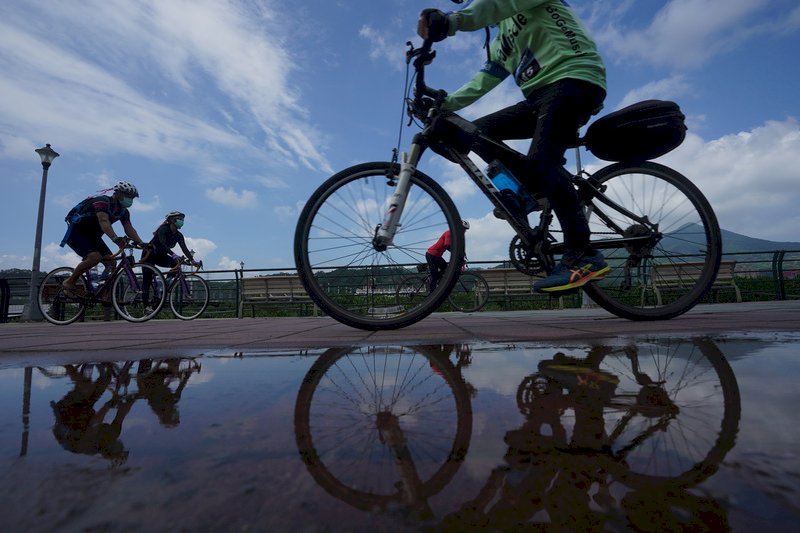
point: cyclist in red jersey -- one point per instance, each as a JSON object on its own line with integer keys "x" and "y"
{"x": 436, "y": 263}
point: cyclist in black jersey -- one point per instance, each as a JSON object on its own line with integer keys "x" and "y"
{"x": 165, "y": 238}
{"x": 92, "y": 218}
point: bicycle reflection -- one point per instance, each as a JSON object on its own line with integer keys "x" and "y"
{"x": 610, "y": 436}
{"x": 89, "y": 418}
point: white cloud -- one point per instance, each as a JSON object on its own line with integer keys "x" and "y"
{"x": 273, "y": 183}
{"x": 82, "y": 85}
{"x": 684, "y": 33}
{"x": 146, "y": 207}
{"x": 749, "y": 177}
{"x": 666, "y": 89}
{"x": 226, "y": 263}
{"x": 285, "y": 212}
{"x": 488, "y": 238}
{"x": 202, "y": 247}
{"x": 232, "y": 198}
{"x": 379, "y": 47}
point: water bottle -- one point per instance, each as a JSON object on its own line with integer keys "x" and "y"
{"x": 514, "y": 195}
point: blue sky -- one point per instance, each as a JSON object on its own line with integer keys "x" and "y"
{"x": 235, "y": 111}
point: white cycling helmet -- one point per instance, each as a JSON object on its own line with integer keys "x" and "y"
{"x": 465, "y": 224}
{"x": 174, "y": 214}
{"x": 127, "y": 189}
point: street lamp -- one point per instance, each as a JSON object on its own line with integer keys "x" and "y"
{"x": 31, "y": 311}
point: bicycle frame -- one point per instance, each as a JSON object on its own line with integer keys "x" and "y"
{"x": 123, "y": 264}
{"x": 439, "y": 128}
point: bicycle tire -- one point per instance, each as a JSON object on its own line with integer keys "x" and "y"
{"x": 690, "y": 243}
{"x": 337, "y": 411}
{"x": 470, "y": 293}
{"x": 127, "y": 298}
{"x": 54, "y": 305}
{"x": 701, "y": 429}
{"x": 340, "y": 268}
{"x": 192, "y": 305}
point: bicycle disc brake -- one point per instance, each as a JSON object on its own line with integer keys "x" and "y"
{"x": 526, "y": 259}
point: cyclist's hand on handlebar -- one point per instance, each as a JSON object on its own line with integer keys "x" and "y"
{"x": 120, "y": 241}
{"x": 433, "y": 25}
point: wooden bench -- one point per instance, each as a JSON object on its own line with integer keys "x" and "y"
{"x": 668, "y": 276}
{"x": 508, "y": 283}
{"x": 279, "y": 290}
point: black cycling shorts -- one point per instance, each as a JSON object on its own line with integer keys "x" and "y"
{"x": 84, "y": 244}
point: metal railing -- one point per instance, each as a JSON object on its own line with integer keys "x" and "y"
{"x": 765, "y": 275}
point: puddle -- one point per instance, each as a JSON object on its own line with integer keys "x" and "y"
{"x": 643, "y": 434}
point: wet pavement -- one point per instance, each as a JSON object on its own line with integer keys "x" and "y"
{"x": 568, "y": 420}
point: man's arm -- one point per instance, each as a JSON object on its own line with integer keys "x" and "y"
{"x": 105, "y": 225}
{"x": 483, "y": 82}
{"x": 482, "y": 13}
{"x": 131, "y": 233}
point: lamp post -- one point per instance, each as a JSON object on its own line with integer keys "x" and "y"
{"x": 31, "y": 310}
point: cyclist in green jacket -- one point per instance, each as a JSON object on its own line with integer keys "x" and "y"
{"x": 556, "y": 65}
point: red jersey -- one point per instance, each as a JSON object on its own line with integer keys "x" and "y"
{"x": 440, "y": 246}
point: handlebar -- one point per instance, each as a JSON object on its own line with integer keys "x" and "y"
{"x": 183, "y": 260}
{"x": 127, "y": 244}
{"x": 421, "y": 57}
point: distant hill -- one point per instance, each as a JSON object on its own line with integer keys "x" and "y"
{"x": 685, "y": 240}
{"x": 737, "y": 243}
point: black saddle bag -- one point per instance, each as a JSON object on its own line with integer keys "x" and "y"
{"x": 636, "y": 133}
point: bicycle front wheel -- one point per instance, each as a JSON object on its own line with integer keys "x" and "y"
{"x": 673, "y": 264}
{"x": 411, "y": 290}
{"x": 129, "y": 297}
{"x": 470, "y": 293}
{"x": 189, "y": 296}
{"x": 345, "y": 273}
{"x": 57, "y": 307}
{"x": 375, "y": 425}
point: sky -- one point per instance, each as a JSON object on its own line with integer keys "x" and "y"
{"x": 234, "y": 111}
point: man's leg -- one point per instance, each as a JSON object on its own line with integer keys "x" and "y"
{"x": 562, "y": 108}
{"x": 91, "y": 249}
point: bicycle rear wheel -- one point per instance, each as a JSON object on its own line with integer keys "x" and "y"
{"x": 670, "y": 271}
{"x": 470, "y": 293}
{"x": 127, "y": 294}
{"x": 675, "y": 415}
{"x": 342, "y": 270}
{"x": 57, "y": 307}
{"x": 188, "y": 297}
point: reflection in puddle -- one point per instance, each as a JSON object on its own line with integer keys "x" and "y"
{"x": 613, "y": 429}
{"x": 482, "y": 437}
{"x": 85, "y": 424}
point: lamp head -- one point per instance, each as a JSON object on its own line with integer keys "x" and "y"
{"x": 47, "y": 154}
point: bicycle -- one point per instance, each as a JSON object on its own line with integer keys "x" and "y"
{"x": 469, "y": 294}
{"x": 360, "y": 409}
{"x": 189, "y": 293}
{"x": 378, "y": 429}
{"x": 122, "y": 288}
{"x": 370, "y": 222}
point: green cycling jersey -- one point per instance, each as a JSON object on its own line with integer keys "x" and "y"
{"x": 538, "y": 42}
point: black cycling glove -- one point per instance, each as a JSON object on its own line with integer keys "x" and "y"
{"x": 438, "y": 26}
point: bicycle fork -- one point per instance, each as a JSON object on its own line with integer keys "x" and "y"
{"x": 385, "y": 232}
